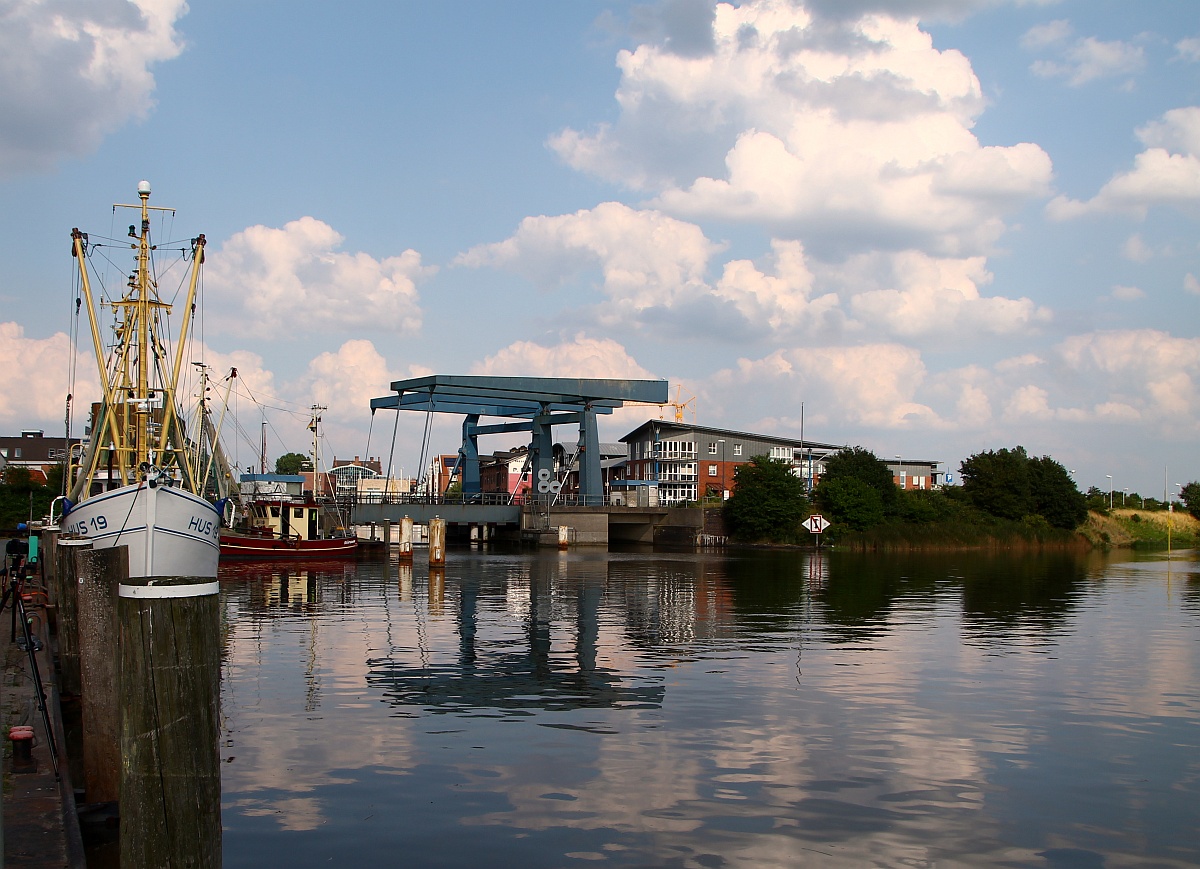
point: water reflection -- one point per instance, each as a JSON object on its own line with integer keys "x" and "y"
{"x": 761, "y": 708}
{"x": 511, "y": 666}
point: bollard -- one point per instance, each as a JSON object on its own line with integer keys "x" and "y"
{"x": 100, "y": 572}
{"x": 67, "y": 572}
{"x": 387, "y": 534}
{"x": 22, "y": 738}
{"x": 406, "y": 539}
{"x": 564, "y": 536}
{"x": 170, "y": 665}
{"x": 437, "y": 541}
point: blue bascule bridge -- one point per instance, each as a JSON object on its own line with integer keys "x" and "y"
{"x": 528, "y": 404}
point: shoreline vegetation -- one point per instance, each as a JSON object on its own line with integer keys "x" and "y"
{"x": 1008, "y": 500}
{"x": 1122, "y": 529}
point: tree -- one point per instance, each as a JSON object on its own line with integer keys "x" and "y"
{"x": 1190, "y": 495}
{"x": 850, "y": 503}
{"x": 768, "y": 501}
{"x": 861, "y": 464}
{"x": 290, "y": 464}
{"x": 998, "y": 482}
{"x": 1010, "y": 484}
{"x": 1055, "y": 495}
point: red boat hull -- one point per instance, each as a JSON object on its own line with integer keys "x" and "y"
{"x": 249, "y": 546}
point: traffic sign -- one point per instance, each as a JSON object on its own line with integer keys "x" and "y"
{"x": 816, "y": 523}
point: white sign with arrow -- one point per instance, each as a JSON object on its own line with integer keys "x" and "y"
{"x": 816, "y": 523}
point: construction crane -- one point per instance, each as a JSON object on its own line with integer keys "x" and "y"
{"x": 679, "y": 405}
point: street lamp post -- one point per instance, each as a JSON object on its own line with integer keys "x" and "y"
{"x": 1109, "y": 490}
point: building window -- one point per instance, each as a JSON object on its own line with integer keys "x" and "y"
{"x": 712, "y": 449}
{"x": 712, "y": 470}
{"x": 737, "y": 449}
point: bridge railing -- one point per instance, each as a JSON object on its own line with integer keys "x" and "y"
{"x": 496, "y": 499}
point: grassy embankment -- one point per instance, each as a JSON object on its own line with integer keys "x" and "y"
{"x": 1141, "y": 528}
{"x": 1124, "y": 528}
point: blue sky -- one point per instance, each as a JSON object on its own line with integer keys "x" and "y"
{"x": 943, "y": 226}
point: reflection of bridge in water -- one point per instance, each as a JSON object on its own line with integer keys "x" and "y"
{"x": 494, "y": 677}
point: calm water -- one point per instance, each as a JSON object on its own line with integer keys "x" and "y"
{"x": 763, "y": 709}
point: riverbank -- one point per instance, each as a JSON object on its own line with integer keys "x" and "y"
{"x": 1120, "y": 529}
{"x": 1142, "y": 528}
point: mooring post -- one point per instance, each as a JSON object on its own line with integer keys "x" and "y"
{"x": 50, "y": 568}
{"x": 406, "y": 539}
{"x": 67, "y": 612}
{"x": 170, "y": 665}
{"x": 437, "y": 541}
{"x": 100, "y": 572}
{"x": 387, "y": 535}
{"x": 564, "y": 536}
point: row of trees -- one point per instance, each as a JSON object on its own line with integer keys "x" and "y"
{"x": 857, "y": 492}
{"x": 22, "y": 499}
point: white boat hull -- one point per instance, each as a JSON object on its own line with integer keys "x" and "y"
{"x": 169, "y": 531}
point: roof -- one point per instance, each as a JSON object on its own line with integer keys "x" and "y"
{"x": 677, "y": 428}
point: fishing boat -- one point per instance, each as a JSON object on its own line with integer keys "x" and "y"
{"x": 277, "y": 518}
{"x": 144, "y": 480}
{"x": 282, "y": 527}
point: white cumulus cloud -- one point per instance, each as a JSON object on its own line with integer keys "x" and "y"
{"x": 74, "y": 72}
{"x": 868, "y": 385}
{"x": 856, "y": 135}
{"x": 1166, "y": 173}
{"x": 913, "y": 295}
{"x": 296, "y": 280}
{"x": 35, "y": 390}
{"x": 1089, "y": 58}
{"x": 580, "y": 356}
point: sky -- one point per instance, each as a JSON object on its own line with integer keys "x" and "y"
{"x": 928, "y": 227}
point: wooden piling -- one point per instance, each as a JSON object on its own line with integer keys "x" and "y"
{"x": 170, "y": 669}
{"x": 66, "y": 574}
{"x": 387, "y": 535}
{"x": 437, "y": 541}
{"x": 100, "y": 572}
{"x": 406, "y": 539}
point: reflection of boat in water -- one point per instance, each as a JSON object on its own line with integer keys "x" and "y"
{"x": 142, "y": 480}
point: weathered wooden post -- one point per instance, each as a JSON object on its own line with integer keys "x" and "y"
{"x": 170, "y": 771}
{"x": 406, "y": 539}
{"x": 387, "y": 535}
{"x": 67, "y": 573}
{"x": 50, "y": 567}
{"x": 100, "y": 572}
{"x": 437, "y": 541}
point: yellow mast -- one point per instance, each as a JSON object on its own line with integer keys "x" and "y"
{"x": 132, "y": 380}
